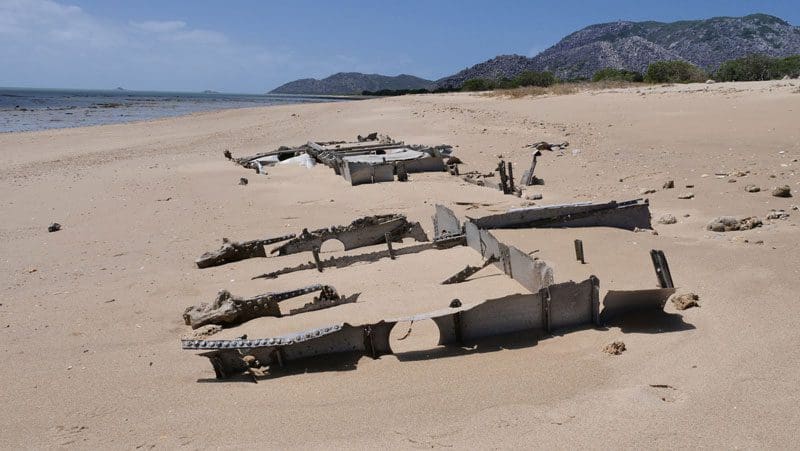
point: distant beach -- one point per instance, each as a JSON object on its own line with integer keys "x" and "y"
{"x": 26, "y": 109}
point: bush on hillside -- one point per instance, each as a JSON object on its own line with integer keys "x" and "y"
{"x": 527, "y": 78}
{"x": 758, "y": 67}
{"x": 612, "y": 74}
{"x": 531, "y": 78}
{"x": 478, "y": 84}
{"x": 674, "y": 72}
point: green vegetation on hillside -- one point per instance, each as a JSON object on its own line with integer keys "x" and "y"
{"x": 750, "y": 68}
{"x": 758, "y": 67}
{"x": 674, "y": 72}
{"x": 612, "y": 74}
{"x": 527, "y": 78}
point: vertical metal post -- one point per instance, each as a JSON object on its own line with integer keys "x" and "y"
{"x": 662, "y": 269}
{"x": 315, "y": 253}
{"x": 501, "y": 168}
{"x": 510, "y": 178}
{"x": 389, "y": 245}
{"x": 579, "y": 251}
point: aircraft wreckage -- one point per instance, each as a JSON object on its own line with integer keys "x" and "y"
{"x": 547, "y": 306}
{"x": 372, "y": 159}
{"x": 365, "y": 231}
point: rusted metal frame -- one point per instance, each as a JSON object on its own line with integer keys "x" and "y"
{"x": 232, "y": 251}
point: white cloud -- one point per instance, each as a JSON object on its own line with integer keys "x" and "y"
{"x": 156, "y": 26}
{"x": 46, "y": 43}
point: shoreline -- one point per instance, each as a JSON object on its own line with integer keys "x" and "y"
{"x": 27, "y": 110}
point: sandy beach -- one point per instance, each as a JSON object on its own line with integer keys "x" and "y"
{"x": 90, "y": 320}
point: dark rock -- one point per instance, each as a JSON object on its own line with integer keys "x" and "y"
{"x": 615, "y": 348}
{"x": 730, "y": 224}
{"x": 243, "y": 181}
{"x": 782, "y": 191}
{"x": 54, "y": 227}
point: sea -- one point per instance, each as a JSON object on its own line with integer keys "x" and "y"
{"x": 28, "y": 109}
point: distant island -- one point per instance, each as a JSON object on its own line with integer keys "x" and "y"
{"x": 208, "y": 91}
{"x": 628, "y": 46}
{"x": 352, "y": 83}
{"x": 119, "y": 88}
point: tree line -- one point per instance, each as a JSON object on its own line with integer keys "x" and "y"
{"x": 748, "y": 68}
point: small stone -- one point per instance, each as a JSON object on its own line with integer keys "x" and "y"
{"x": 710, "y": 82}
{"x": 782, "y": 191}
{"x": 777, "y": 214}
{"x": 243, "y": 181}
{"x": 690, "y": 186}
{"x": 535, "y": 196}
{"x": 731, "y": 180}
{"x": 685, "y": 301}
{"x": 647, "y": 191}
{"x": 752, "y": 188}
{"x": 54, "y": 227}
{"x": 667, "y": 219}
{"x": 455, "y": 303}
{"x": 686, "y": 196}
{"x": 730, "y": 223}
{"x": 615, "y": 348}
{"x": 669, "y": 184}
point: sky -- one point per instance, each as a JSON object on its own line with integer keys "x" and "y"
{"x": 252, "y": 46}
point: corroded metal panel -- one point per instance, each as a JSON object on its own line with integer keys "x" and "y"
{"x": 625, "y": 215}
{"x": 445, "y": 222}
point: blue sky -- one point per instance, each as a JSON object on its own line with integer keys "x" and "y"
{"x": 254, "y": 46}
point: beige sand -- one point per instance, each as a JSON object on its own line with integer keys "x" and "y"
{"x": 90, "y": 316}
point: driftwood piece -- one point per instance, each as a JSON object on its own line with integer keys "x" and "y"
{"x": 228, "y": 309}
{"x": 232, "y": 251}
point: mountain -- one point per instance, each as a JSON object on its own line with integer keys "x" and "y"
{"x": 634, "y": 45}
{"x": 352, "y": 83}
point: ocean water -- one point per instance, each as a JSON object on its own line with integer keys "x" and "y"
{"x": 23, "y": 109}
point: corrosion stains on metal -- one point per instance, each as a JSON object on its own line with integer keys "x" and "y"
{"x": 366, "y": 231}
{"x": 627, "y": 215}
{"x": 232, "y": 251}
{"x": 228, "y": 309}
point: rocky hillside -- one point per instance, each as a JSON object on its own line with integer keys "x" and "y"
{"x": 352, "y": 83}
{"x": 634, "y": 45}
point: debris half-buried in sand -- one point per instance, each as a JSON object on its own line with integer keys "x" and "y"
{"x": 228, "y": 309}
{"x": 366, "y": 231}
{"x": 232, "y": 251}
